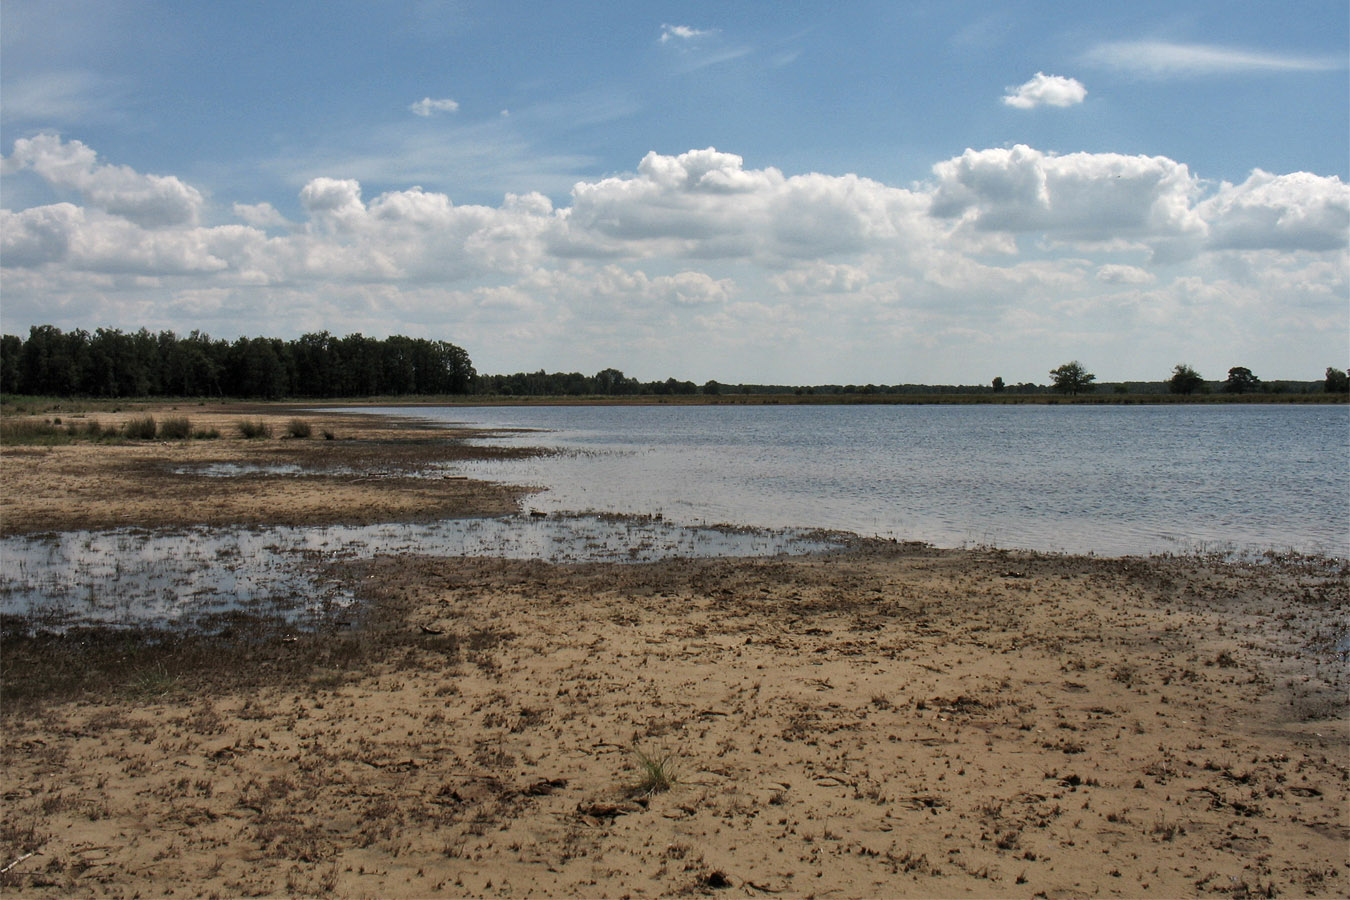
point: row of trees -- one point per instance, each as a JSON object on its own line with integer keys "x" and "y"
{"x": 1241, "y": 380}
{"x": 109, "y": 363}
{"x": 605, "y": 383}
{"x": 1072, "y": 378}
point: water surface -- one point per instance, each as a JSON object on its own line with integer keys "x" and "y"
{"x": 1111, "y": 480}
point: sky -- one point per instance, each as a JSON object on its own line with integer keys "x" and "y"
{"x": 762, "y": 192}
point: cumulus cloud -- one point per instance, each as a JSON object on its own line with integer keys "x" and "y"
{"x": 261, "y": 215}
{"x": 1164, "y": 58}
{"x": 39, "y": 235}
{"x": 1046, "y": 90}
{"x": 427, "y": 107}
{"x": 1078, "y": 196}
{"x": 1114, "y": 273}
{"x": 1299, "y": 211}
{"x": 148, "y": 200}
{"x": 706, "y": 204}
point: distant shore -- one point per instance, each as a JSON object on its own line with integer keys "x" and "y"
{"x": 888, "y": 720}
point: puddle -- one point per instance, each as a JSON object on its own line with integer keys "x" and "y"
{"x": 236, "y": 470}
{"x": 294, "y": 470}
{"x": 188, "y": 576}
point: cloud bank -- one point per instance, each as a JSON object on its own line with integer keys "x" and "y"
{"x": 695, "y": 265}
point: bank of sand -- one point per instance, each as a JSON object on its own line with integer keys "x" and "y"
{"x": 890, "y": 720}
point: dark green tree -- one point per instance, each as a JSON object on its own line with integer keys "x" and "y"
{"x": 1338, "y": 381}
{"x": 1241, "y": 380}
{"x": 998, "y": 383}
{"x": 52, "y": 362}
{"x": 1071, "y": 378}
{"x": 1184, "y": 380}
{"x": 11, "y": 350}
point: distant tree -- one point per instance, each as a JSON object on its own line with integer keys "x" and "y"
{"x": 712, "y": 388}
{"x": 998, "y": 383}
{"x": 1071, "y": 378}
{"x": 611, "y": 381}
{"x": 1241, "y": 380}
{"x": 1185, "y": 380}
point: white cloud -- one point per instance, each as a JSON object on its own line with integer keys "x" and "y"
{"x": 688, "y": 258}
{"x": 1078, "y": 196}
{"x": 428, "y": 107}
{"x": 1299, "y": 211}
{"x": 682, "y": 33}
{"x": 148, "y": 200}
{"x": 260, "y": 215}
{"x": 1114, "y": 273}
{"x": 1046, "y": 90}
{"x": 1163, "y": 58}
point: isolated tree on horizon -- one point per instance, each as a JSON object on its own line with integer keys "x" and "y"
{"x": 1338, "y": 382}
{"x": 998, "y": 383}
{"x": 1071, "y": 378}
{"x": 1241, "y": 380}
{"x": 1185, "y": 380}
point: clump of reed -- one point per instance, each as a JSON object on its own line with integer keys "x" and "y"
{"x": 299, "y": 428}
{"x": 251, "y": 430}
{"x": 177, "y": 428}
{"x": 32, "y": 431}
{"x": 140, "y": 428}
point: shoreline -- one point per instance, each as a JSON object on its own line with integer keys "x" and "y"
{"x": 889, "y": 719}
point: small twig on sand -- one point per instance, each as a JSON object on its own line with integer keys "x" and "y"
{"x": 17, "y": 861}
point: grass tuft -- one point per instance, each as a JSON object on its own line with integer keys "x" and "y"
{"x": 154, "y": 681}
{"x": 298, "y": 428}
{"x": 656, "y": 773}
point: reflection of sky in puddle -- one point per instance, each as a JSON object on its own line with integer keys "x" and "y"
{"x": 294, "y": 470}
{"x": 235, "y": 470}
{"x": 138, "y": 576}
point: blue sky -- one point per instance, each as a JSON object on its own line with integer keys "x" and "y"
{"x": 884, "y": 192}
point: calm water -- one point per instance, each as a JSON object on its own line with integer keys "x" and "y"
{"x": 1111, "y": 480}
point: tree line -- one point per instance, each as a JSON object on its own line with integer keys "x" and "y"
{"x": 111, "y": 363}
{"x": 1073, "y": 378}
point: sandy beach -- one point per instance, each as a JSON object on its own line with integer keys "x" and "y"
{"x": 886, "y": 720}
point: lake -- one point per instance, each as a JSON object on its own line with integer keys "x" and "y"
{"x": 1109, "y": 480}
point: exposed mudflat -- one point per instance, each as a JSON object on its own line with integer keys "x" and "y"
{"x": 373, "y": 470}
{"x": 887, "y": 720}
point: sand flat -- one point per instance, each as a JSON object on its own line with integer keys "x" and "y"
{"x": 889, "y": 720}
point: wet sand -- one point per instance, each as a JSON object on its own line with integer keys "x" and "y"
{"x": 889, "y": 720}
